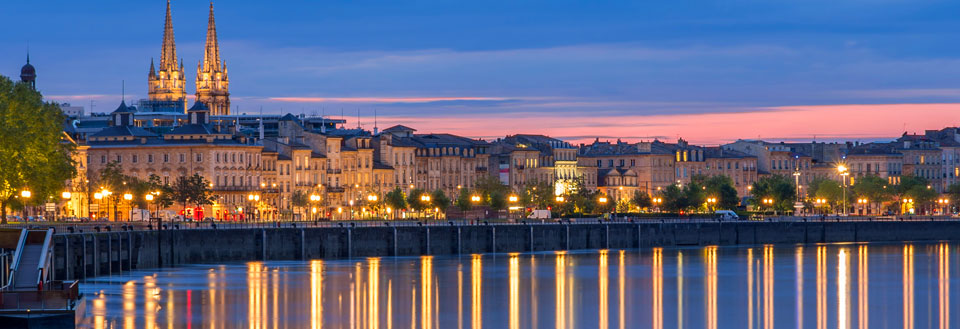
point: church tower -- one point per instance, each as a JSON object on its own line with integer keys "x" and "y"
{"x": 167, "y": 83}
{"x": 213, "y": 86}
{"x": 28, "y": 74}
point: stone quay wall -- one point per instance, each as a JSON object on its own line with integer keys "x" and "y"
{"x": 91, "y": 254}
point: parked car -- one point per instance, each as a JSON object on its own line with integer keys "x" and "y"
{"x": 727, "y": 215}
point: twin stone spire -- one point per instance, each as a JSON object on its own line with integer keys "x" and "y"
{"x": 168, "y": 81}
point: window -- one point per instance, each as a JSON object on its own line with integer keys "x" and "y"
{"x": 610, "y": 163}
{"x": 199, "y": 157}
{"x": 183, "y": 157}
{"x": 633, "y": 162}
{"x": 134, "y": 158}
{"x": 621, "y": 162}
{"x": 166, "y": 157}
{"x": 150, "y": 158}
{"x": 103, "y": 159}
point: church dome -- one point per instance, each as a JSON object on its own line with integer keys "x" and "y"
{"x": 27, "y": 72}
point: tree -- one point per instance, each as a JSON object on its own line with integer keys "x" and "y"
{"x": 33, "y": 154}
{"x": 776, "y": 187}
{"x": 538, "y": 195}
{"x": 609, "y": 206}
{"x": 872, "y": 188}
{"x": 396, "y": 199}
{"x": 163, "y": 194}
{"x": 720, "y": 187}
{"x": 194, "y": 190}
{"x": 463, "y": 202}
{"x": 180, "y": 191}
{"x": 299, "y": 199}
{"x": 678, "y": 198}
{"x": 641, "y": 199}
{"x": 827, "y": 189}
{"x": 415, "y": 201}
{"x": 953, "y": 191}
{"x": 440, "y": 200}
{"x": 114, "y": 181}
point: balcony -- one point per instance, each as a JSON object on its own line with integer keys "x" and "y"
{"x": 335, "y": 189}
{"x": 333, "y": 171}
{"x": 231, "y": 188}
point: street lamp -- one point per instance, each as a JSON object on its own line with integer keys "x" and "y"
{"x": 843, "y": 175}
{"x": 657, "y": 201}
{"x": 475, "y": 198}
{"x": 559, "y": 198}
{"x": 25, "y": 194}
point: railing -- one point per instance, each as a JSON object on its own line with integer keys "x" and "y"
{"x": 5, "y": 258}
{"x": 43, "y": 266}
{"x": 59, "y": 295}
{"x": 88, "y": 227}
{"x": 15, "y": 262}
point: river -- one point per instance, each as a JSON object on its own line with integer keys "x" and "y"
{"x": 781, "y": 286}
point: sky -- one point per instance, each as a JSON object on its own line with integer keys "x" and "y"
{"x": 709, "y": 71}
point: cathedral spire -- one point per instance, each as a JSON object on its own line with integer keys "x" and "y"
{"x": 153, "y": 71}
{"x": 213, "y": 86}
{"x": 168, "y": 54}
{"x": 211, "y": 54}
{"x": 166, "y": 82}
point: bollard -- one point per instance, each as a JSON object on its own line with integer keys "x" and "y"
{"x": 340, "y": 224}
{"x": 294, "y": 225}
{"x": 164, "y": 226}
{"x": 70, "y": 229}
{"x": 353, "y": 224}
{"x": 387, "y": 224}
{"x": 213, "y": 226}
{"x": 97, "y": 228}
{"x": 451, "y": 223}
{"x": 177, "y": 226}
{"x": 150, "y": 227}
{"x": 419, "y": 224}
{"x": 109, "y": 228}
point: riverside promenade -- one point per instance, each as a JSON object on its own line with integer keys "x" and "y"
{"x": 90, "y": 253}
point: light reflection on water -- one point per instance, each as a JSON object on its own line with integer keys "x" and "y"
{"x": 831, "y": 286}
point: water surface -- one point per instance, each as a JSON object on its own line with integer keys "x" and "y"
{"x": 809, "y": 286}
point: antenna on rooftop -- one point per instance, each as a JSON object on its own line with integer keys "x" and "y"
{"x": 123, "y": 91}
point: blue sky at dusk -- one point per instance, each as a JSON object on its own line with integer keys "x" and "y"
{"x": 571, "y": 69}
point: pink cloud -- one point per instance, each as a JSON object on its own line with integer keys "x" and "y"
{"x": 382, "y": 99}
{"x": 823, "y": 122}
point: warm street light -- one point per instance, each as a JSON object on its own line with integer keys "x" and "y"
{"x": 98, "y": 195}
{"x": 25, "y": 194}
{"x": 127, "y": 196}
{"x": 513, "y": 198}
{"x": 315, "y": 198}
{"x": 475, "y": 198}
{"x": 603, "y": 199}
{"x": 148, "y": 197}
{"x": 711, "y": 200}
{"x": 425, "y": 198}
{"x": 372, "y": 198}
{"x": 66, "y": 195}
{"x": 559, "y": 198}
